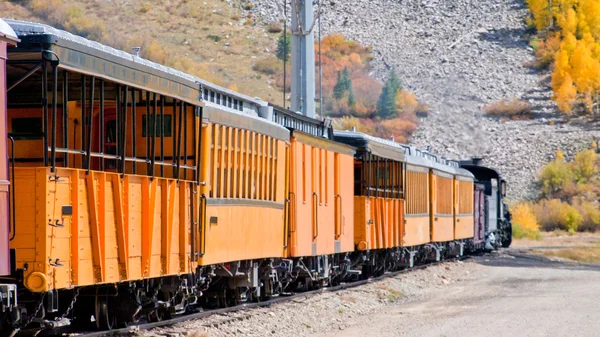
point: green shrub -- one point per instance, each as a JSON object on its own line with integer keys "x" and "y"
{"x": 215, "y": 38}
{"x": 554, "y": 176}
{"x": 570, "y": 219}
{"x": 585, "y": 166}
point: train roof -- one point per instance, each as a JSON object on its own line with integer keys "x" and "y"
{"x": 399, "y": 152}
{"x": 478, "y": 170}
{"x": 324, "y": 143}
{"x": 378, "y": 146}
{"x": 95, "y": 59}
{"x": 7, "y": 33}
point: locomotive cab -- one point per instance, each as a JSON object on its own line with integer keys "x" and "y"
{"x": 498, "y": 228}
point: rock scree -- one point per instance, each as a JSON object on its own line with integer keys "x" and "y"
{"x": 458, "y": 56}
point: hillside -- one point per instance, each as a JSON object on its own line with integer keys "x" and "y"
{"x": 458, "y": 56}
{"x": 216, "y": 39}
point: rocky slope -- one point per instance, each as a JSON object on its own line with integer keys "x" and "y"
{"x": 458, "y": 56}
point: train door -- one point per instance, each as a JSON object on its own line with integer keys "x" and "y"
{"x": 479, "y": 209}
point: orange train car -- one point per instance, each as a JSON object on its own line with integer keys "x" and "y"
{"x": 378, "y": 191}
{"x": 243, "y": 185}
{"x": 321, "y": 206}
{"x": 439, "y": 211}
{"x": 318, "y": 169}
{"x": 133, "y": 173}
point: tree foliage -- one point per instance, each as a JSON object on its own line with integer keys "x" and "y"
{"x": 284, "y": 47}
{"x": 343, "y": 85}
{"x": 576, "y": 77}
{"x": 387, "y": 106}
{"x": 525, "y": 223}
{"x": 570, "y": 193}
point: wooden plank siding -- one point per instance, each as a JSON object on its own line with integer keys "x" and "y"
{"x": 120, "y": 228}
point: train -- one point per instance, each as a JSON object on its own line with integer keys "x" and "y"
{"x": 132, "y": 191}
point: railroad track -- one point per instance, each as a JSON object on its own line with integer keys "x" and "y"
{"x": 203, "y": 314}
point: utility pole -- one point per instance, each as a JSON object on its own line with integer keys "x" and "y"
{"x": 303, "y": 58}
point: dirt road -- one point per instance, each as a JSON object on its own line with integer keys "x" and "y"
{"x": 497, "y": 295}
{"x": 510, "y": 295}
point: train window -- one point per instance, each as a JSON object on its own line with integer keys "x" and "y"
{"x": 243, "y": 164}
{"x": 100, "y": 128}
{"x": 27, "y": 128}
{"x": 379, "y": 177}
{"x": 167, "y": 125}
{"x": 417, "y": 200}
{"x": 465, "y": 197}
{"x": 443, "y": 190}
{"x": 110, "y": 142}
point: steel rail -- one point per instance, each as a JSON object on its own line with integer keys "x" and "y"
{"x": 280, "y": 299}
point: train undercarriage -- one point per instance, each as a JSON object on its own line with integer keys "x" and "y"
{"x": 111, "y": 306}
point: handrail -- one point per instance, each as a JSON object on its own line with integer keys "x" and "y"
{"x": 286, "y": 221}
{"x": 203, "y": 225}
{"x": 194, "y": 222}
{"x": 292, "y": 212}
{"x": 117, "y": 157}
{"x": 315, "y": 216}
{"x": 338, "y": 227}
{"x": 12, "y": 188}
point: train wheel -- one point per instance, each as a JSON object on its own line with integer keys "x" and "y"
{"x": 157, "y": 315}
{"x": 105, "y": 315}
{"x": 223, "y": 297}
{"x": 6, "y": 328}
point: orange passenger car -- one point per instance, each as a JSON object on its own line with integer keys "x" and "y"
{"x": 378, "y": 191}
{"x": 321, "y": 197}
{"x": 243, "y": 188}
{"x": 451, "y": 200}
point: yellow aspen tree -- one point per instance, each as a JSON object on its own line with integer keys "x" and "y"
{"x": 566, "y": 95}
{"x": 562, "y": 67}
{"x": 580, "y": 72}
{"x": 541, "y": 12}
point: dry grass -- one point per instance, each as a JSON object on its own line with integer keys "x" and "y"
{"x": 515, "y": 109}
{"x": 560, "y": 238}
{"x": 385, "y": 292}
{"x": 581, "y": 254}
{"x": 274, "y": 27}
{"x": 180, "y": 27}
{"x": 268, "y": 66}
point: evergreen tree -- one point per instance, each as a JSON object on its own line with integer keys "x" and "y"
{"x": 343, "y": 85}
{"x": 340, "y": 87}
{"x": 351, "y": 98}
{"x": 284, "y": 47}
{"x": 346, "y": 79}
{"x": 386, "y": 105}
